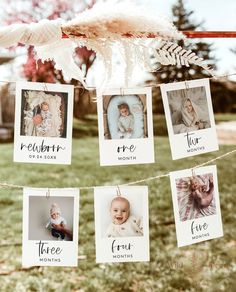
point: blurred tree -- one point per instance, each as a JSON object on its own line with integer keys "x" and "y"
{"x": 165, "y": 74}
{"x": 182, "y": 21}
{"x": 27, "y": 11}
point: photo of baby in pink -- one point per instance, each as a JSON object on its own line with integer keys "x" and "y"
{"x": 196, "y": 196}
{"x": 123, "y": 222}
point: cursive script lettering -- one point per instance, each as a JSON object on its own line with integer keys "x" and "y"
{"x": 120, "y": 247}
{"x": 43, "y": 249}
{"x": 41, "y": 147}
{"x": 192, "y": 141}
{"x": 198, "y": 227}
{"x": 123, "y": 148}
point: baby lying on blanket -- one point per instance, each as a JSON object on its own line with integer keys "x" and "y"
{"x": 125, "y": 121}
{"x": 201, "y": 193}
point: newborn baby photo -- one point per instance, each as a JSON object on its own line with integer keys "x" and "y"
{"x": 43, "y": 113}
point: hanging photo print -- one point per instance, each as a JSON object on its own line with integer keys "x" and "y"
{"x": 121, "y": 224}
{"x": 50, "y": 227}
{"x": 189, "y": 117}
{"x": 125, "y": 126}
{"x": 43, "y": 123}
{"x": 196, "y": 205}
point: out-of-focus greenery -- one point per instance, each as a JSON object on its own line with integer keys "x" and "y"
{"x": 206, "y": 266}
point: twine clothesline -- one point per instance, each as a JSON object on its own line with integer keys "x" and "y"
{"x": 90, "y": 88}
{"x": 7, "y": 185}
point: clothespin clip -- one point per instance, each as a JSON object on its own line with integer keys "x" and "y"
{"x": 186, "y": 89}
{"x": 121, "y": 91}
{"x": 193, "y": 172}
{"x": 118, "y": 192}
{"x": 45, "y": 87}
{"x": 186, "y": 85}
{"x": 48, "y": 193}
{"x": 93, "y": 95}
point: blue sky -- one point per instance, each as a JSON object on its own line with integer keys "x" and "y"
{"x": 217, "y": 15}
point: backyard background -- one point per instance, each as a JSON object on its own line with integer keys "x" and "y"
{"x": 206, "y": 266}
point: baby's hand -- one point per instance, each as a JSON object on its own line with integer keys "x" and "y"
{"x": 200, "y": 125}
{"x": 204, "y": 188}
{"x": 129, "y": 130}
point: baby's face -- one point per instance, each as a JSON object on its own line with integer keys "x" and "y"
{"x": 189, "y": 106}
{"x": 55, "y": 216}
{"x": 119, "y": 212}
{"x": 45, "y": 107}
{"x": 195, "y": 184}
{"x": 124, "y": 112}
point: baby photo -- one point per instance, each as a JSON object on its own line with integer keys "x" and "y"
{"x": 188, "y": 109}
{"x": 51, "y": 218}
{"x": 196, "y": 196}
{"x": 189, "y": 117}
{"x": 125, "y": 126}
{"x": 196, "y": 205}
{"x": 50, "y": 227}
{"x": 43, "y": 122}
{"x": 125, "y": 116}
{"x": 44, "y": 113}
{"x": 121, "y": 224}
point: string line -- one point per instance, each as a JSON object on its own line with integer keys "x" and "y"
{"x": 6, "y": 185}
{"x": 147, "y": 85}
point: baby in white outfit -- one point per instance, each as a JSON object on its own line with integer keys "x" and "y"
{"x": 123, "y": 224}
{"x": 56, "y": 219}
{"x": 125, "y": 122}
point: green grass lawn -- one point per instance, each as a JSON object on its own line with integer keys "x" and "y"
{"x": 207, "y": 266}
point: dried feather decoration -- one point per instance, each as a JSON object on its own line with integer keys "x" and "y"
{"x": 107, "y": 28}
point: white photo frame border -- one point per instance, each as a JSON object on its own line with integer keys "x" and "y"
{"x": 30, "y": 248}
{"x": 131, "y": 151}
{"x": 50, "y": 150}
{"x": 182, "y": 144}
{"x": 136, "y": 248}
{"x": 212, "y": 222}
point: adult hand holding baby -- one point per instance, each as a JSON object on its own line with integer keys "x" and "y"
{"x": 62, "y": 228}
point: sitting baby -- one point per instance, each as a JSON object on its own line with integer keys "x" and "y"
{"x": 202, "y": 194}
{"x": 56, "y": 219}
{"x": 123, "y": 224}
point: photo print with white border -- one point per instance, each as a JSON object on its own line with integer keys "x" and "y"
{"x": 196, "y": 205}
{"x": 121, "y": 224}
{"x": 189, "y": 117}
{"x": 125, "y": 126}
{"x": 43, "y": 123}
{"x": 50, "y": 227}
